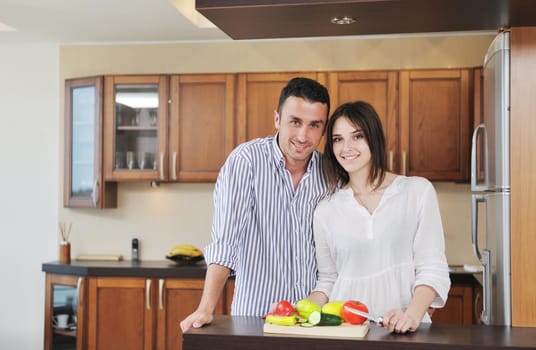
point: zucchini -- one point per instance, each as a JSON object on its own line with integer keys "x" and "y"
{"x": 317, "y": 318}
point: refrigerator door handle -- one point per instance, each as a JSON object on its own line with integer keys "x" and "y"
{"x": 475, "y": 199}
{"x": 486, "y": 287}
{"x": 475, "y": 186}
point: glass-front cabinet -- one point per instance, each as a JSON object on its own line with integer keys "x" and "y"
{"x": 64, "y": 313}
{"x": 83, "y": 176}
{"x": 135, "y": 127}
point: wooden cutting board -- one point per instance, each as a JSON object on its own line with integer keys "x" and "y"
{"x": 345, "y": 330}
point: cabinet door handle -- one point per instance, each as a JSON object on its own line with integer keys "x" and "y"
{"x": 160, "y": 292}
{"x": 95, "y": 193}
{"x": 148, "y": 294}
{"x": 174, "y": 164}
{"x": 404, "y": 165}
{"x": 162, "y": 166}
{"x": 78, "y": 288}
{"x": 391, "y": 156}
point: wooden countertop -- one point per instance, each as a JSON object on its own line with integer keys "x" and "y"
{"x": 127, "y": 268}
{"x": 246, "y": 333}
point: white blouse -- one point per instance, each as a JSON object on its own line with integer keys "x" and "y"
{"x": 380, "y": 258}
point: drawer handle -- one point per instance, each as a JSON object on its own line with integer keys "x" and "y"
{"x": 148, "y": 294}
{"x": 162, "y": 166}
{"x": 160, "y": 291}
{"x": 404, "y": 165}
{"x": 174, "y": 164}
{"x": 95, "y": 193}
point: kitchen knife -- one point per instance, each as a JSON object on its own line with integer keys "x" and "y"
{"x": 377, "y": 320}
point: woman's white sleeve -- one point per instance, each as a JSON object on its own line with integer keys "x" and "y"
{"x": 327, "y": 272}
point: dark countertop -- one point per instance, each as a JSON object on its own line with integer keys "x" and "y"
{"x": 167, "y": 268}
{"x": 245, "y": 333}
{"x": 127, "y": 268}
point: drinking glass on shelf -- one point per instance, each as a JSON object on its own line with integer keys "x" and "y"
{"x": 143, "y": 160}
{"x": 120, "y": 161}
{"x": 131, "y": 160}
{"x": 154, "y": 118}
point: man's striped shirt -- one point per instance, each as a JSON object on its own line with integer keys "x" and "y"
{"x": 262, "y": 228}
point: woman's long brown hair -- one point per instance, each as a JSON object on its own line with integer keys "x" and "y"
{"x": 362, "y": 115}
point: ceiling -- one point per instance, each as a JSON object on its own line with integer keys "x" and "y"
{"x": 102, "y": 21}
{"x": 146, "y": 21}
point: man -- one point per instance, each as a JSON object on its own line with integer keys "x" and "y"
{"x": 264, "y": 200}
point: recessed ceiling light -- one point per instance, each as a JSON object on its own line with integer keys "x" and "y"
{"x": 343, "y": 20}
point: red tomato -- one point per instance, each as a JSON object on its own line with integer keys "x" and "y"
{"x": 284, "y": 308}
{"x": 351, "y": 318}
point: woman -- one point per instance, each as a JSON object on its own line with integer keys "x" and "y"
{"x": 379, "y": 237}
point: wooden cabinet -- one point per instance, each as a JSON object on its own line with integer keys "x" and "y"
{"x": 65, "y": 295}
{"x": 177, "y": 298}
{"x": 161, "y": 128}
{"x": 379, "y": 88}
{"x": 84, "y": 185}
{"x": 139, "y": 313}
{"x": 523, "y": 173}
{"x": 202, "y": 125}
{"x": 435, "y": 123}
{"x": 120, "y": 313}
{"x": 258, "y": 96}
{"x": 182, "y": 127}
{"x": 464, "y": 304}
{"x": 135, "y": 127}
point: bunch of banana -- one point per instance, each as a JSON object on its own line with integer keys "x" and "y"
{"x": 186, "y": 250}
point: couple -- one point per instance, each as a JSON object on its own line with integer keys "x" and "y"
{"x": 293, "y": 224}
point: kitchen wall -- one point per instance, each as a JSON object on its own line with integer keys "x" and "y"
{"x": 29, "y": 133}
{"x": 181, "y": 213}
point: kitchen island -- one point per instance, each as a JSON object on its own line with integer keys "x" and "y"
{"x": 246, "y": 333}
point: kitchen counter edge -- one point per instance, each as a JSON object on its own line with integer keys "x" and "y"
{"x": 127, "y": 268}
{"x": 244, "y": 333}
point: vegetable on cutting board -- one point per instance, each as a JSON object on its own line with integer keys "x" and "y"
{"x": 284, "y": 308}
{"x": 317, "y": 318}
{"x": 281, "y": 320}
{"x": 353, "y": 318}
{"x": 304, "y": 307}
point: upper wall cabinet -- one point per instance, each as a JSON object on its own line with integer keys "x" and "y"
{"x": 135, "y": 127}
{"x": 379, "y": 88}
{"x": 182, "y": 127}
{"x": 258, "y": 96}
{"x": 202, "y": 125}
{"x": 435, "y": 123}
{"x": 83, "y": 173}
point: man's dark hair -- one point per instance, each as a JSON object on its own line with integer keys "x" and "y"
{"x": 308, "y": 89}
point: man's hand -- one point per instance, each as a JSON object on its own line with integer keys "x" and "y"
{"x": 196, "y": 320}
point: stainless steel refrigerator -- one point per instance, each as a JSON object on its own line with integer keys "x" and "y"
{"x": 490, "y": 185}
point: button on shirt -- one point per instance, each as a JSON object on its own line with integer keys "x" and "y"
{"x": 262, "y": 228}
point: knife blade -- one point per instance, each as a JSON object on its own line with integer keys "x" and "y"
{"x": 377, "y": 320}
